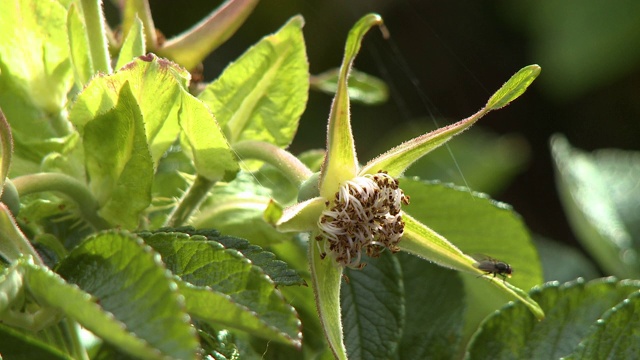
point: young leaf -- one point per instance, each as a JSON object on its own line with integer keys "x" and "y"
{"x": 398, "y": 159}
{"x": 133, "y": 303}
{"x": 615, "y": 335}
{"x": 599, "y": 193}
{"x": 118, "y": 162}
{"x": 262, "y": 94}
{"x": 160, "y": 89}
{"x": 373, "y": 309}
{"x": 341, "y": 162}
{"x": 214, "y": 274}
{"x": 157, "y": 87}
{"x": 133, "y": 45}
{"x": 571, "y": 309}
{"x": 36, "y": 76}
{"x": 514, "y": 87}
{"x": 79, "y": 46}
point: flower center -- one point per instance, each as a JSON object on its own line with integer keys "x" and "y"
{"x": 365, "y": 216}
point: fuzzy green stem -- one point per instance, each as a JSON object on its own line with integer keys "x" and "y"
{"x": 95, "y": 22}
{"x": 70, "y": 187}
{"x": 289, "y": 165}
{"x": 190, "y": 201}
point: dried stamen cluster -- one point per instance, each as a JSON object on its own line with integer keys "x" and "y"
{"x": 365, "y": 215}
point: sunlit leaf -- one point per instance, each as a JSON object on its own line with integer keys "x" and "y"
{"x": 133, "y": 302}
{"x": 222, "y": 287}
{"x": 261, "y": 95}
{"x": 341, "y": 162}
{"x": 133, "y": 45}
{"x": 118, "y": 162}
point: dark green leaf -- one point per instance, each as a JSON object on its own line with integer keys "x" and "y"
{"x": 222, "y": 287}
{"x": 363, "y": 88}
{"x": 16, "y": 345}
{"x": 434, "y": 310}
{"x": 477, "y": 225}
{"x": 513, "y": 333}
{"x": 261, "y": 95}
{"x": 615, "y": 335}
{"x": 599, "y": 193}
{"x": 277, "y": 270}
{"x": 131, "y": 289}
{"x": 372, "y": 304}
{"x": 118, "y": 161}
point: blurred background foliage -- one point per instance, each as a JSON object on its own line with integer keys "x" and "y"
{"x": 443, "y": 61}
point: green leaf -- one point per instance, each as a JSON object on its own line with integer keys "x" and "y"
{"x": 212, "y": 157}
{"x": 372, "y": 308}
{"x": 36, "y": 75}
{"x": 476, "y": 224}
{"x": 222, "y": 287}
{"x": 340, "y": 162}
{"x": 398, "y": 159}
{"x": 118, "y": 162}
{"x": 133, "y": 45}
{"x": 615, "y": 335}
{"x": 23, "y": 346}
{"x": 79, "y": 46}
{"x": 134, "y": 11}
{"x": 571, "y": 310}
{"x": 599, "y": 193}
{"x": 277, "y": 270}
{"x": 434, "y": 307}
{"x": 34, "y": 52}
{"x": 192, "y": 46}
{"x": 262, "y": 94}
{"x": 157, "y": 87}
{"x": 133, "y": 303}
{"x": 363, "y": 88}
{"x": 160, "y": 88}
{"x": 514, "y": 87}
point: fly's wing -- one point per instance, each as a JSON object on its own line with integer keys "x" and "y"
{"x": 484, "y": 262}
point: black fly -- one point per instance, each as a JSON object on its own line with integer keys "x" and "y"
{"x": 493, "y": 266}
